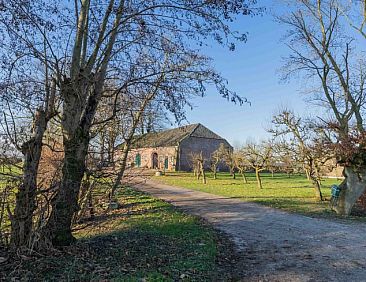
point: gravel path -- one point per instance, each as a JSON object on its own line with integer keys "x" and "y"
{"x": 274, "y": 245}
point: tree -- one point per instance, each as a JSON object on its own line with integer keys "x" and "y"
{"x": 241, "y": 163}
{"x": 198, "y": 164}
{"x": 258, "y": 157}
{"x": 228, "y": 158}
{"x": 28, "y": 102}
{"x": 88, "y": 45}
{"x": 307, "y": 142}
{"x": 355, "y": 14}
{"x": 323, "y": 51}
{"x": 288, "y": 158}
{"x": 216, "y": 158}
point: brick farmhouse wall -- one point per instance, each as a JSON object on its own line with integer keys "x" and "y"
{"x": 196, "y": 145}
{"x": 146, "y": 156}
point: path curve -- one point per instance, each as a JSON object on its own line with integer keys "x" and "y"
{"x": 275, "y": 245}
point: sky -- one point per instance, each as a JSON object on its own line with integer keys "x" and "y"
{"x": 253, "y": 71}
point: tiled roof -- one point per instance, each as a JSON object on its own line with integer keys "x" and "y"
{"x": 172, "y": 137}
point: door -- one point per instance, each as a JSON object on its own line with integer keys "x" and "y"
{"x": 138, "y": 160}
{"x": 166, "y": 163}
{"x": 155, "y": 162}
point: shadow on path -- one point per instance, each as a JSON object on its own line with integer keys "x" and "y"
{"x": 274, "y": 245}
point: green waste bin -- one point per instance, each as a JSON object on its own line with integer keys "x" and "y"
{"x": 336, "y": 190}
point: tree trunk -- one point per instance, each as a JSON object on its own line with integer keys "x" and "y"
{"x": 198, "y": 174}
{"x": 65, "y": 203}
{"x": 215, "y": 174}
{"x": 245, "y": 180}
{"x": 91, "y": 205}
{"x": 259, "y": 180}
{"x": 317, "y": 184}
{"x": 128, "y": 140}
{"x": 22, "y": 221}
{"x": 85, "y": 197}
{"x": 76, "y": 122}
{"x": 81, "y": 95}
{"x": 232, "y": 172}
{"x": 102, "y": 149}
{"x": 204, "y": 181}
{"x": 317, "y": 190}
{"x": 307, "y": 174}
{"x": 121, "y": 169}
{"x": 352, "y": 187}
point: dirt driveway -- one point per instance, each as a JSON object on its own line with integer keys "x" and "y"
{"x": 274, "y": 245}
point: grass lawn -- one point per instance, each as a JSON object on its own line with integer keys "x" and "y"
{"x": 145, "y": 240}
{"x": 293, "y": 194}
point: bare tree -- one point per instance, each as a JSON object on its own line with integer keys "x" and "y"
{"x": 306, "y": 141}
{"x": 27, "y": 101}
{"x": 228, "y": 158}
{"x": 198, "y": 164}
{"x": 288, "y": 158}
{"x": 355, "y": 14}
{"x": 88, "y": 45}
{"x": 216, "y": 158}
{"x": 322, "y": 49}
{"x": 241, "y": 163}
{"x": 258, "y": 157}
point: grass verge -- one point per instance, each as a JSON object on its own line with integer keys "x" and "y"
{"x": 145, "y": 240}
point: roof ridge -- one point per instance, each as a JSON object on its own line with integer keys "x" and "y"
{"x": 195, "y": 128}
{"x": 196, "y": 125}
{"x": 173, "y": 136}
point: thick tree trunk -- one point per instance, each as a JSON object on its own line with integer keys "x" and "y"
{"x": 259, "y": 180}
{"x": 22, "y": 221}
{"x": 352, "y": 187}
{"x": 65, "y": 203}
{"x": 81, "y": 95}
{"x": 76, "y": 122}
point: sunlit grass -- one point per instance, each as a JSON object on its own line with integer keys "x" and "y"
{"x": 292, "y": 194}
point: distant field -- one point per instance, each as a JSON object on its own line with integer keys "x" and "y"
{"x": 293, "y": 194}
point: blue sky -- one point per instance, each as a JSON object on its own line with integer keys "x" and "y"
{"x": 253, "y": 72}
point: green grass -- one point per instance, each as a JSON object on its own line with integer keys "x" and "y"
{"x": 7, "y": 180}
{"x": 293, "y": 194}
{"x": 145, "y": 240}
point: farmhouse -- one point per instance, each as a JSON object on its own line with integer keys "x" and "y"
{"x": 171, "y": 149}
